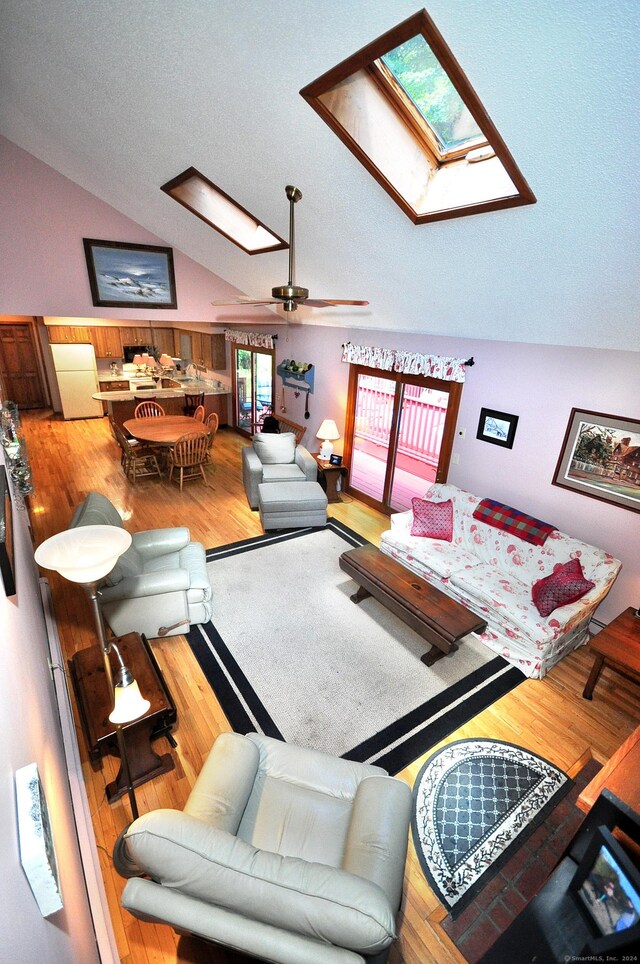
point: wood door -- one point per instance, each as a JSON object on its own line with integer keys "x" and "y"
{"x": 21, "y": 378}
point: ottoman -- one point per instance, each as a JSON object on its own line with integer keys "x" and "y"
{"x": 291, "y": 505}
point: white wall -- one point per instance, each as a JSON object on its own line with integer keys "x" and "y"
{"x": 540, "y": 384}
{"x": 30, "y": 728}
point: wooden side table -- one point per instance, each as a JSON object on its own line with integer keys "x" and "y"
{"x": 328, "y": 476}
{"x": 618, "y": 647}
{"x": 620, "y": 775}
{"x": 95, "y": 703}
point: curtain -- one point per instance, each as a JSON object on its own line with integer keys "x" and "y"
{"x": 411, "y": 363}
{"x": 254, "y": 338}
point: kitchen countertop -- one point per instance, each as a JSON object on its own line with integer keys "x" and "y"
{"x": 190, "y": 386}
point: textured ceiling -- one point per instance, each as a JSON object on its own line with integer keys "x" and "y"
{"x": 120, "y": 97}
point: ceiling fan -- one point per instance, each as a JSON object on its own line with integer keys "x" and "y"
{"x": 289, "y": 295}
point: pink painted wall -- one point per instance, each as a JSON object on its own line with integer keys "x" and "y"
{"x": 540, "y": 384}
{"x": 43, "y": 219}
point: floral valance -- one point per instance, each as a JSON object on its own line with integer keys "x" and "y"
{"x": 409, "y": 362}
{"x": 254, "y": 338}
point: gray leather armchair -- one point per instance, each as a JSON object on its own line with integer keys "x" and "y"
{"x": 284, "y": 853}
{"x": 159, "y": 586}
{"x": 275, "y": 458}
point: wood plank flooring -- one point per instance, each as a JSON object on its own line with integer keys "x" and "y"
{"x": 549, "y": 717}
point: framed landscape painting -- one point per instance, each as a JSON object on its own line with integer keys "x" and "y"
{"x": 600, "y": 457}
{"x": 499, "y": 428}
{"x": 130, "y": 275}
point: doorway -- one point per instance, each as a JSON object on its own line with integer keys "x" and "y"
{"x": 399, "y": 435}
{"x": 20, "y": 374}
{"x": 253, "y": 375}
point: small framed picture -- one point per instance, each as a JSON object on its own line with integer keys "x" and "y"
{"x": 335, "y": 460}
{"x": 499, "y": 428}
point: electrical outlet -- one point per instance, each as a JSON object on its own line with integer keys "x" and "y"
{"x": 455, "y": 459}
{"x": 461, "y": 433}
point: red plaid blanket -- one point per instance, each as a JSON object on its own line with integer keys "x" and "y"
{"x": 512, "y": 520}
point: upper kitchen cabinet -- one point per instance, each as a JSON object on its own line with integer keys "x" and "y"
{"x": 68, "y": 335}
{"x": 107, "y": 342}
{"x": 162, "y": 338}
{"x": 136, "y": 336}
{"x": 218, "y": 353}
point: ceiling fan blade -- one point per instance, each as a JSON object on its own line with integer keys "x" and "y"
{"x": 327, "y": 302}
{"x": 246, "y": 301}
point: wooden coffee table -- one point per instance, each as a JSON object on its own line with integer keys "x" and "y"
{"x": 618, "y": 647}
{"x": 432, "y": 614}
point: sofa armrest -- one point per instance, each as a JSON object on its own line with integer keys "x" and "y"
{"x": 376, "y": 846}
{"x": 306, "y": 462}
{"x": 189, "y": 856}
{"x": 159, "y": 542}
{"x": 401, "y": 521}
{"x": 147, "y": 584}
{"x": 219, "y": 795}
{"x": 251, "y": 474}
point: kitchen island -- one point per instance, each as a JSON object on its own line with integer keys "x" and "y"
{"x": 121, "y": 404}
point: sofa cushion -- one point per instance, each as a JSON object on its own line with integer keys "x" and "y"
{"x": 432, "y": 520}
{"x": 508, "y": 599}
{"x": 273, "y": 449}
{"x": 129, "y": 564}
{"x": 442, "y": 558}
{"x": 283, "y": 472}
{"x": 566, "y": 584}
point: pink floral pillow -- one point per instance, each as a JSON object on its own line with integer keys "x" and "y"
{"x": 566, "y": 584}
{"x": 433, "y": 520}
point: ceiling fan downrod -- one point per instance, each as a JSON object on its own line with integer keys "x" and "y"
{"x": 289, "y": 292}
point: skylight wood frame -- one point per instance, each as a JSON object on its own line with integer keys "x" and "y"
{"x": 177, "y": 188}
{"x": 365, "y": 60}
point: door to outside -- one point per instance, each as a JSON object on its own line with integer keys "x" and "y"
{"x": 399, "y": 435}
{"x": 254, "y": 379}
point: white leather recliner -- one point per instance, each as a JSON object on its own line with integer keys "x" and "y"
{"x": 281, "y": 852}
{"x": 159, "y": 586}
{"x": 275, "y": 458}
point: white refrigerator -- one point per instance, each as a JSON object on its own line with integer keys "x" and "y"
{"x": 77, "y": 376}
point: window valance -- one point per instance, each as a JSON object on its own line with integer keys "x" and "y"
{"x": 411, "y": 363}
{"x": 254, "y": 338}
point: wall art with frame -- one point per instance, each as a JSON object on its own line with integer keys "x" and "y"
{"x": 499, "y": 428}
{"x": 600, "y": 457}
{"x": 7, "y": 565}
{"x": 130, "y": 275}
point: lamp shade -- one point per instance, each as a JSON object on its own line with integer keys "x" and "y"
{"x": 166, "y": 361}
{"x": 129, "y": 704}
{"x": 137, "y": 360}
{"x": 84, "y": 554}
{"x": 328, "y": 430}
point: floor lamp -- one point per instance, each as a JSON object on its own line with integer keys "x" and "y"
{"x": 85, "y": 555}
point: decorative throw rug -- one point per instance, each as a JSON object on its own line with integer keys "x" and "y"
{"x": 475, "y": 801}
{"x": 289, "y": 655}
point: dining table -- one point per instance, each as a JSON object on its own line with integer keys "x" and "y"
{"x": 163, "y": 429}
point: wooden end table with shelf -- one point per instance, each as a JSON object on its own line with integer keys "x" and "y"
{"x": 617, "y": 646}
{"x": 328, "y": 476}
{"x": 95, "y": 703}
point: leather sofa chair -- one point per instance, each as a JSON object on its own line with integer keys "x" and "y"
{"x": 284, "y": 853}
{"x": 159, "y": 586}
{"x": 275, "y": 458}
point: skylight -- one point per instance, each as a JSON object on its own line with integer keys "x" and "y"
{"x": 201, "y": 196}
{"x": 406, "y": 109}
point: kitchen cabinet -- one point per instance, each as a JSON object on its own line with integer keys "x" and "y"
{"x": 106, "y": 342}
{"x": 68, "y": 335}
{"x": 113, "y": 386}
{"x": 136, "y": 336}
{"x": 162, "y": 338}
{"x": 218, "y": 353}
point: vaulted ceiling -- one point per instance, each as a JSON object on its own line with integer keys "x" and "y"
{"x": 120, "y": 97}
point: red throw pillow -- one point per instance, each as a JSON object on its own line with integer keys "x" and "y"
{"x": 433, "y": 520}
{"x": 566, "y": 584}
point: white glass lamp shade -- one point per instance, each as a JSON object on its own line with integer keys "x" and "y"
{"x": 84, "y": 554}
{"x": 129, "y": 704}
{"x": 328, "y": 431}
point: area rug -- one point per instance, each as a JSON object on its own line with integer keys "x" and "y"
{"x": 475, "y": 801}
{"x": 289, "y": 655}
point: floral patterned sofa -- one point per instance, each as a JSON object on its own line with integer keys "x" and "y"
{"x": 492, "y": 572}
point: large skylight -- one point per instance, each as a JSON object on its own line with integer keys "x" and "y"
{"x": 406, "y": 109}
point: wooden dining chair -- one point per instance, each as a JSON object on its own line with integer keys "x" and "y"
{"x": 137, "y": 460}
{"x": 199, "y": 413}
{"x": 189, "y": 455}
{"x": 148, "y": 409}
{"x": 191, "y": 402}
{"x": 212, "y": 422}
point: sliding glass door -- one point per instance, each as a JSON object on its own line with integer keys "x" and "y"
{"x": 253, "y": 386}
{"x": 399, "y": 435}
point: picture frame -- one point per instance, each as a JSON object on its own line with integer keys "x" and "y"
{"x": 37, "y": 850}
{"x": 335, "y": 460}
{"x": 606, "y": 887}
{"x": 498, "y": 428}
{"x": 7, "y": 564}
{"x": 125, "y": 275}
{"x": 600, "y": 458}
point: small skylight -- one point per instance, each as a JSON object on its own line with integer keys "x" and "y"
{"x": 406, "y": 109}
{"x": 201, "y": 196}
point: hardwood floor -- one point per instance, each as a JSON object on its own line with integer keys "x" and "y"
{"x": 549, "y": 717}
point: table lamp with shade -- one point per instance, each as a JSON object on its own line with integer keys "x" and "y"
{"x": 328, "y": 431}
{"x": 85, "y": 555}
